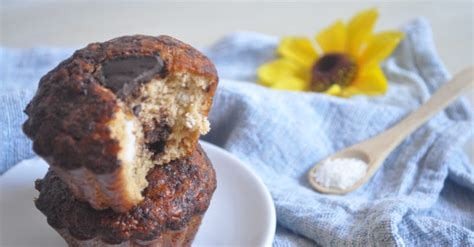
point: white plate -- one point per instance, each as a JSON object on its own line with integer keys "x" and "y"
{"x": 241, "y": 211}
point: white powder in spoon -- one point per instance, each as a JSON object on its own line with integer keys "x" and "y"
{"x": 340, "y": 173}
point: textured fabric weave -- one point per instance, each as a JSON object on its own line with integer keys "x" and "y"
{"x": 423, "y": 195}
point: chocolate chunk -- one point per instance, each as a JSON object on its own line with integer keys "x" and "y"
{"x": 156, "y": 136}
{"x": 136, "y": 110}
{"x": 157, "y": 147}
{"x": 120, "y": 71}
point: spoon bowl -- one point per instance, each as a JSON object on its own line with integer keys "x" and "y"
{"x": 348, "y": 153}
{"x": 374, "y": 151}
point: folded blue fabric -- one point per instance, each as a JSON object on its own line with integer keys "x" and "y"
{"x": 422, "y": 196}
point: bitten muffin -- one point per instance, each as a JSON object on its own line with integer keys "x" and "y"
{"x": 107, "y": 115}
{"x": 177, "y": 196}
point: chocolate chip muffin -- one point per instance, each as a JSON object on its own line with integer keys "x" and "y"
{"x": 177, "y": 196}
{"x": 107, "y": 115}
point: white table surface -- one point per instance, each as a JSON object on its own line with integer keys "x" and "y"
{"x": 76, "y": 23}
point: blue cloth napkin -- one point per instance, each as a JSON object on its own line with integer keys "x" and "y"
{"x": 422, "y": 196}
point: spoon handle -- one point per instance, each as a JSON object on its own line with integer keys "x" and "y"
{"x": 441, "y": 99}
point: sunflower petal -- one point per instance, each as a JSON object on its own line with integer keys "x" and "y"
{"x": 291, "y": 83}
{"x": 269, "y": 73}
{"x": 359, "y": 30}
{"x": 299, "y": 50}
{"x": 333, "y": 38}
{"x": 381, "y": 46}
{"x": 334, "y": 90}
{"x": 370, "y": 81}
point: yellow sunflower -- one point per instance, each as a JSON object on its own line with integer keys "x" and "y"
{"x": 348, "y": 63}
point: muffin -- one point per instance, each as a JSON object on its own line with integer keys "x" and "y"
{"x": 177, "y": 196}
{"x": 114, "y": 110}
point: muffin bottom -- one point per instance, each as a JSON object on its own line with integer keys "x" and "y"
{"x": 183, "y": 237}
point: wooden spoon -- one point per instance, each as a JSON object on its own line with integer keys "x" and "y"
{"x": 374, "y": 151}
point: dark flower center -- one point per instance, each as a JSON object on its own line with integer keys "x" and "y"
{"x": 330, "y": 69}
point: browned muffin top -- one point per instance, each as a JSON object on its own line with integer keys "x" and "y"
{"x": 69, "y": 114}
{"x": 176, "y": 192}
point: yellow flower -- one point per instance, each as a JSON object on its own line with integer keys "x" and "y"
{"x": 348, "y": 63}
